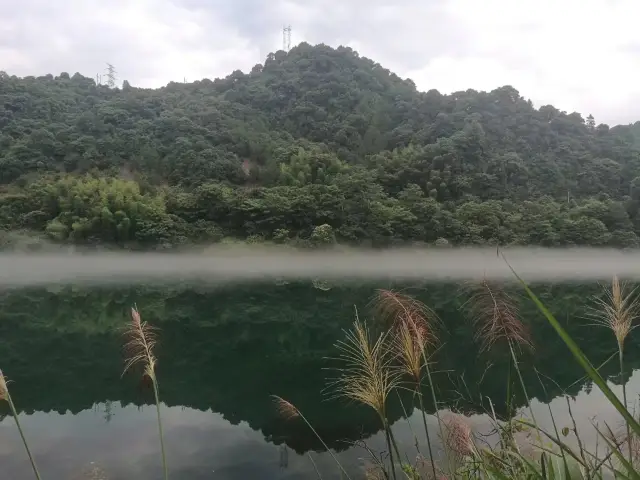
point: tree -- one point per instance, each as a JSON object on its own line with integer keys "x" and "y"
{"x": 317, "y": 145}
{"x": 323, "y": 235}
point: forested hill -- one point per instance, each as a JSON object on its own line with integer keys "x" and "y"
{"x": 315, "y": 146}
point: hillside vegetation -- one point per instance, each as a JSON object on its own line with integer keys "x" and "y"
{"x": 317, "y": 145}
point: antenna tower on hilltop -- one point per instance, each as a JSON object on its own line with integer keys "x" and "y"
{"x": 111, "y": 76}
{"x": 286, "y": 38}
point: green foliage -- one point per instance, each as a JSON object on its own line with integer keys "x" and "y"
{"x": 323, "y": 235}
{"x": 316, "y": 136}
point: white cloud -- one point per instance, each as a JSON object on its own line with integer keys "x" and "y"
{"x": 150, "y": 42}
{"x": 579, "y": 55}
{"x": 574, "y": 54}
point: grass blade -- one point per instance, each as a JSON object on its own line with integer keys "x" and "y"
{"x": 580, "y": 357}
{"x": 5, "y": 395}
{"x": 621, "y": 458}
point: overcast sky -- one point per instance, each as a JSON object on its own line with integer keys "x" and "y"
{"x": 579, "y": 55}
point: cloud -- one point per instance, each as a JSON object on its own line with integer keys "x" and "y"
{"x": 150, "y": 42}
{"x": 575, "y": 54}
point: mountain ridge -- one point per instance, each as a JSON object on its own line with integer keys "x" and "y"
{"x": 314, "y": 137}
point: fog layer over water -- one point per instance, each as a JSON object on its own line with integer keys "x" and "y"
{"x": 224, "y": 264}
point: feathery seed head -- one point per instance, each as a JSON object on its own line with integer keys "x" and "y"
{"x": 285, "y": 409}
{"x": 459, "y": 437}
{"x": 412, "y": 327}
{"x": 409, "y": 344}
{"x": 617, "y": 310}
{"x": 4, "y": 390}
{"x": 367, "y": 376}
{"x": 141, "y": 340}
{"x": 395, "y": 308}
{"x": 494, "y": 313}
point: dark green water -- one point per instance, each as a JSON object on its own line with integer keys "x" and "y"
{"x": 222, "y": 353}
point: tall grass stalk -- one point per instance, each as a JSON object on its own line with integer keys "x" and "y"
{"x": 6, "y": 396}
{"x": 413, "y": 324}
{"x": 413, "y": 333}
{"x": 494, "y": 312}
{"x": 315, "y": 467}
{"x": 288, "y": 411}
{"x": 434, "y": 398}
{"x": 139, "y": 346}
{"x": 406, "y": 416}
{"x": 580, "y": 357}
{"x": 367, "y": 376}
{"x": 459, "y": 442}
{"x": 373, "y": 369}
{"x": 555, "y": 425}
{"x": 617, "y": 311}
{"x": 524, "y": 390}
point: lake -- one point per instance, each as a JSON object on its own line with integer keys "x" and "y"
{"x": 224, "y": 351}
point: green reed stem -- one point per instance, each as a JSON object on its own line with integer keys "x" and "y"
{"x": 624, "y": 400}
{"x": 164, "y": 457}
{"x": 406, "y": 416}
{"x": 580, "y": 357}
{"x": 509, "y": 426}
{"x": 393, "y": 440}
{"x": 388, "y": 437}
{"x": 323, "y": 444}
{"x": 555, "y": 428}
{"x": 24, "y": 440}
{"x": 315, "y": 467}
{"x": 524, "y": 390}
{"x": 435, "y": 405}
{"x": 509, "y": 394}
{"x": 426, "y": 431}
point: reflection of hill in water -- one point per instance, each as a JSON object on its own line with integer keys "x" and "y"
{"x": 230, "y": 349}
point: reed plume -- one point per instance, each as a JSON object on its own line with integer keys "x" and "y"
{"x": 409, "y": 343}
{"x": 367, "y": 376}
{"x": 140, "y": 342}
{"x": 6, "y": 396}
{"x": 393, "y": 308}
{"x": 285, "y": 409}
{"x": 288, "y": 411}
{"x": 617, "y": 311}
{"x": 411, "y": 323}
{"x": 459, "y": 437}
{"x": 494, "y": 313}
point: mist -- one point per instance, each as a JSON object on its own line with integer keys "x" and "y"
{"x": 220, "y": 264}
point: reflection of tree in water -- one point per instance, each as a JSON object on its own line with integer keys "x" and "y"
{"x": 230, "y": 349}
{"x": 108, "y": 411}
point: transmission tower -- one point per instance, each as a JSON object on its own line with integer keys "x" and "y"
{"x": 111, "y": 76}
{"x": 286, "y": 38}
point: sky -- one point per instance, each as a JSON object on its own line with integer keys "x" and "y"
{"x": 578, "y": 55}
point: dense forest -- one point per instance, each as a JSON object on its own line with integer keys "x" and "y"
{"x": 316, "y": 146}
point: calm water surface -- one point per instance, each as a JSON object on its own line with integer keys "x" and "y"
{"x": 223, "y": 352}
